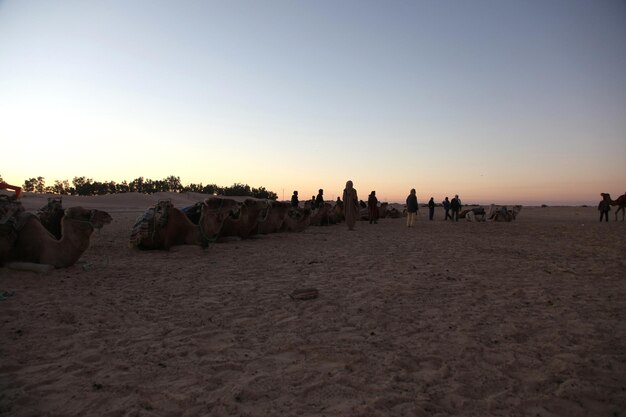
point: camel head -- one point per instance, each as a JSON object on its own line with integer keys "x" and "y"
{"x": 214, "y": 211}
{"x": 96, "y": 218}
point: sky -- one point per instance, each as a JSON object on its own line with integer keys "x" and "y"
{"x": 508, "y": 102}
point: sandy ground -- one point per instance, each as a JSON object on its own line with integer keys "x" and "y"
{"x": 445, "y": 319}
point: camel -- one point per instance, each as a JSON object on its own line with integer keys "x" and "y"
{"x": 336, "y": 215}
{"x": 243, "y": 222}
{"x": 164, "y": 226}
{"x": 502, "y": 213}
{"x": 50, "y": 216}
{"x": 476, "y": 214}
{"x": 320, "y": 216}
{"x": 620, "y": 202}
{"x": 272, "y": 218}
{"x": 36, "y": 244}
{"x": 382, "y": 210}
{"x": 10, "y": 210}
{"x": 297, "y": 219}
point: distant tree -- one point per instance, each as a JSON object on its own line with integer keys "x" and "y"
{"x": 29, "y": 185}
{"x": 136, "y": 185}
{"x": 238, "y": 190}
{"x": 83, "y": 186}
{"x": 149, "y": 186}
{"x": 40, "y": 187}
{"x": 60, "y": 187}
{"x": 193, "y": 188}
{"x": 264, "y": 194}
{"x": 173, "y": 184}
{"x": 213, "y": 189}
{"x": 86, "y": 186}
{"x": 122, "y": 187}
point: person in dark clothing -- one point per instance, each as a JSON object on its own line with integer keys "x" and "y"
{"x": 446, "y": 208}
{"x": 431, "y": 208}
{"x": 455, "y": 206}
{"x": 411, "y": 208}
{"x": 294, "y": 199}
{"x": 372, "y": 205}
{"x": 339, "y": 202}
{"x": 319, "y": 200}
{"x": 605, "y": 206}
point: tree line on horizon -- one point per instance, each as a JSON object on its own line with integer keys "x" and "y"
{"x": 87, "y": 187}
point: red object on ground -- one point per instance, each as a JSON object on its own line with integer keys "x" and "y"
{"x": 5, "y": 186}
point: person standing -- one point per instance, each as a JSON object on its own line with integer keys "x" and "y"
{"x": 431, "y": 208}
{"x": 319, "y": 200}
{"x": 605, "y": 206}
{"x": 294, "y": 200}
{"x": 411, "y": 208}
{"x": 350, "y": 205}
{"x": 446, "y": 208}
{"x": 455, "y": 206}
{"x": 372, "y": 207}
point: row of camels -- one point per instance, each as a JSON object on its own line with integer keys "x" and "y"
{"x": 218, "y": 218}
{"x": 58, "y": 237}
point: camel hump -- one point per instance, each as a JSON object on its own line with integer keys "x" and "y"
{"x": 50, "y": 216}
{"x": 150, "y": 222}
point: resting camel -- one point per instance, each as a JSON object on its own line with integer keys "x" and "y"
{"x": 37, "y": 245}
{"x": 272, "y": 218}
{"x": 476, "y": 214}
{"x": 164, "y": 226}
{"x": 382, "y": 210}
{"x": 243, "y": 221}
{"x": 320, "y": 216}
{"x": 502, "y": 213}
{"x": 336, "y": 214}
{"x": 620, "y": 202}
{"x": 297, "y": 219}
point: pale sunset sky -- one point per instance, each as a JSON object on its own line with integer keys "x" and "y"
{"x": 498, "y": 101}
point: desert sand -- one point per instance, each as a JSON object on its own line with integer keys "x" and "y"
{"x": 446, "y": 319}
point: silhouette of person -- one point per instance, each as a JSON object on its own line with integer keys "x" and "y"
{"x": 372, "y": 207}
{"x": 411, "y": 208}
{"x": 319, "y": 200}
{"x": 431, "y": 208}
{"x": 604, "y": 206}
{"x": 350, "y": 205}
{"x": 455, "y": 206}
{"x": 446, "y": 208}
{"x": 294, "y": 199}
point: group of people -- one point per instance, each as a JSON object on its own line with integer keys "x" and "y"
{"x": 349, "y": 203}
{"x": 451, "y": 208}
{"x": 351, "y": 206}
